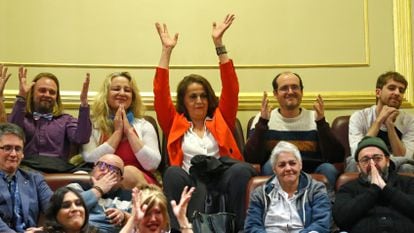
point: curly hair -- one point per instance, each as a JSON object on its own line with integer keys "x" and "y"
{"x": 100, "y": 110}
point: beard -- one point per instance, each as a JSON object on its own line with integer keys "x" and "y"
{"x": 44, "y": 106}
{"x": 382, "y": 172}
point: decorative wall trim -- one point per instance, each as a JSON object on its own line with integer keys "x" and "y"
{"x": 365, "y": 63}
{"x": 247, "y": 101}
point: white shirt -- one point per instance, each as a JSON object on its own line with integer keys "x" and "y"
{"x": 193, "y": 145}
{"x": 282, "y": 215}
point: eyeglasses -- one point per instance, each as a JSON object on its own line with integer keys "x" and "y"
{"x": 376, "y": 157}
{"x": 9, "y": 149}
{"x": 286, "y": 88}
{"x": 103, "y": 166}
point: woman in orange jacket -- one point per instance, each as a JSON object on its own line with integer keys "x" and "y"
{"x": 201, "y": 124}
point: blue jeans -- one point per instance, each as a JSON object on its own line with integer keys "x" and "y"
{"x": 326, "y": 169}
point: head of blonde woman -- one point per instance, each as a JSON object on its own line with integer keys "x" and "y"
{"x": 118, "y": 88}
{"x": 156, "y": 217}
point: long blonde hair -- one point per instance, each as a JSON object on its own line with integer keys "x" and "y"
{"x": 100, "y": 110}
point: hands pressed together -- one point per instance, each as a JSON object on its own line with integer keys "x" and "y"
{"x": 375, "y": 176}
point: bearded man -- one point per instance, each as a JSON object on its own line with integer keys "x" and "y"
{"x": 38, "y": 111}
{"x": 380, "y": 200}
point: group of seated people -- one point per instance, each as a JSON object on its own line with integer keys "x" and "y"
{"x": 288, "y": 142}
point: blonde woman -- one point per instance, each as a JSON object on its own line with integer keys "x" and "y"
{"x": 119, "y": 128}
{"x": 150, "y": 213}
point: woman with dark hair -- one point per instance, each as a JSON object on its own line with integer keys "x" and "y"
{"x": 67, "y": 213}
{"x": 119, "y": 128}
{"x": 201, "y": 124}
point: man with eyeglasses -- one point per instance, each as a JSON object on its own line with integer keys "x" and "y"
{"x": 308, "y": 130}
{"x": 387, "y": 121}
{"x": 380, "y": 200}
{"x": 23, "y": 195}
{"x": 108, "y": 203}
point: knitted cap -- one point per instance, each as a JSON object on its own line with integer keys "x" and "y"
{"x": 372, "y": 141}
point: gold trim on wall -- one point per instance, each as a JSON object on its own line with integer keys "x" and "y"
{"x": 403, "y": 43}
{"x": 212, "y": 66}
{"x": 252, "y": 101}
{"x": 247, "y": 101}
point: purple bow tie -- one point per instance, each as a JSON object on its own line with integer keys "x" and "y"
{"x": 37, "y": 116}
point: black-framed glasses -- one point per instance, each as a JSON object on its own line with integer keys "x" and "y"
{"x": 103, "y": 166}
{"x": 9, "y": 149}
{"x": 376, "y": 157}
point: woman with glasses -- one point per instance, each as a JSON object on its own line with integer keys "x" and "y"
{"x": 119, "y": 128}
{"x": 67, "y": 213}
{"x": 201, "y": 124}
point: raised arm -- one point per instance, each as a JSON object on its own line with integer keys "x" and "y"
{"x": 79, "y": 131}
{"x": 217, "y": 35}
{"x": 3, "y": 80}
{"x": 163, "y": 104}
{"x": 168, "y": 44}
{"x": 180, "y": 210}
{"x": 19, "y": 108}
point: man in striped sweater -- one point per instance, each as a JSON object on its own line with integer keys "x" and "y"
{"x": 306, "y": 129}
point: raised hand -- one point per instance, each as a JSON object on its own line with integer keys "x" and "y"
{"x": 84, "y": 93}
{"x": 265, "y": 110}
{"x": 319, "y": 108}
{"x": 180, "y": 210}
{"x": 219, "y": 29}
{"x": 3, "y": 79}
{"x": 167, "y": 41}
{"x": 138, "y": 210}
{"x": 24, "y": 88}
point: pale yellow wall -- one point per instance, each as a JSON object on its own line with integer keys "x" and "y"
{"x": 338, "y": 47}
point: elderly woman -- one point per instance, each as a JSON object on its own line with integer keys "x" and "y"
{"x": 67, "y": 213}
{"x": 200, "y": 124}
{"x": 119, "y": 128}
{"x": 290, "y": 201}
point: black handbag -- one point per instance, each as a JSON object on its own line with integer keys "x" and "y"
{"x": 222, "y": 222}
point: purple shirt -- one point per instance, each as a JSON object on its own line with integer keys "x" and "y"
{"x": 52, "y": 138}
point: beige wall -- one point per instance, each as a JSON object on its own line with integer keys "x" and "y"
{"x": 338, "y": 47}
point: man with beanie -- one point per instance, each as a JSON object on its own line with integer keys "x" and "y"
{"x": 380, "y": 200}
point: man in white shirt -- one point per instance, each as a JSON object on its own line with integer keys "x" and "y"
{"x": 386, "y": 121}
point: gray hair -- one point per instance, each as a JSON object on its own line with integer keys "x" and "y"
{"x": 284, "y": 146}
{"x": 10, "y": 128}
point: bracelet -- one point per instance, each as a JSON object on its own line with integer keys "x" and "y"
{"x": 20, "y": 98}
{"x": 186, "y": 227}
{"x": 221, "y": 50}
{"x": 99, "y": 189}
